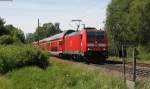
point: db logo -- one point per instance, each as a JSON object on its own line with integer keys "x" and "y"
{"x": 96, "y": 42}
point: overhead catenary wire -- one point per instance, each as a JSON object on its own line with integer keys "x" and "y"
{"x": 87, "y": 11}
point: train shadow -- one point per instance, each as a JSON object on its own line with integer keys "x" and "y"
{"x": 107, "y": 62}
{"x": 113, "y": 62}
{"x": 104, "y": 61}
{"x": 97, "y": 61}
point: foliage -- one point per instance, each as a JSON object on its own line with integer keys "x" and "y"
{"x": 11, "y": 30}
{"x": 128, "y": 22}
{"x": 29, "y": 37}
{"x": 66, "y": 76}
{"x": 3, "y": 30}
{"x": 16, "y": 56}
{"x": 139, "y": 21}
{"x": 44, "y": 31}
{"x": 143, "y": 54}
{"x": 15, "y": 32}
{"x": 7, "y": 39}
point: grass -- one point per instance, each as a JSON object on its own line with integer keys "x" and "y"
{"x": 62, "y": 75}
{"x": 143, "y": 84}
{"x": 143, "y": 55}
{"x": 5, "y": 83}
{"x": 59, "y": 76}
{"x": 114, "y": 58}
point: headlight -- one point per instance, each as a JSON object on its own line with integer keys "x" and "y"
{"x": 89, "y": 49}
{"x": 104, "y": 49}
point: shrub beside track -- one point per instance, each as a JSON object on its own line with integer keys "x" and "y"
{"x": 16, "y": 56}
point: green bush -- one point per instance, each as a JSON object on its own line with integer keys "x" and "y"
{"x": 12, "y": 56}
{"x": 143, "y": 54}
{"x": 7, "y": 39}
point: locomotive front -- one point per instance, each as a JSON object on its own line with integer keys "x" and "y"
{"x": 96, "y": 43}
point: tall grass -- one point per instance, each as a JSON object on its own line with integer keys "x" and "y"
{"x": 62, "y": 76}
{"x": 142, "y": 57}
{"x": 5, "y": 83}
{"x": 143, "y": 54}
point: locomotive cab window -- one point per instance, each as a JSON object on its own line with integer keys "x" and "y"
{"x": 94, "y": 35}
{"x": 90, "y": 37}
{"x": 100, "y": 37}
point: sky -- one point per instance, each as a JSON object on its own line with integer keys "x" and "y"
{"x": 24, "y": 13}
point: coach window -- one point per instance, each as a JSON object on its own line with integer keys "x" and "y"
{"x": 81, "y": 37}
{"x": 60, "y": 42}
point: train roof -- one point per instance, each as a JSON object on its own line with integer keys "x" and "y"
{"x": 61, "y": 35}
{"x": 74, "y": 33}
{"x": 90, "y": 28}
{"x": 54, "y": 37}
{"x": 44, "y": 40}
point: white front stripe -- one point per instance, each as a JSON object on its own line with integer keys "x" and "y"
{"x": 102, "y": 45}
{"x": 90, "y": 44}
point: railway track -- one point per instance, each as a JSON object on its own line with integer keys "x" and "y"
{"x": 142, "y": 70}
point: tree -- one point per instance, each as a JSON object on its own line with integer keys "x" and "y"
{"x": 116, "y": 23}
{"x": 128, "y": 21}
{"x": 29, "y": 37}
{"x": 8, "y": 40}
{"x": 47, "y": 30}
{"x": 9, "y": 31}
{"x": 139, "y": 18}
{"x": 15, "y": 32}
{"x": 3, "y": 30}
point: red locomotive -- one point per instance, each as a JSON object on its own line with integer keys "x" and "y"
{"x": 87, "y": 42}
